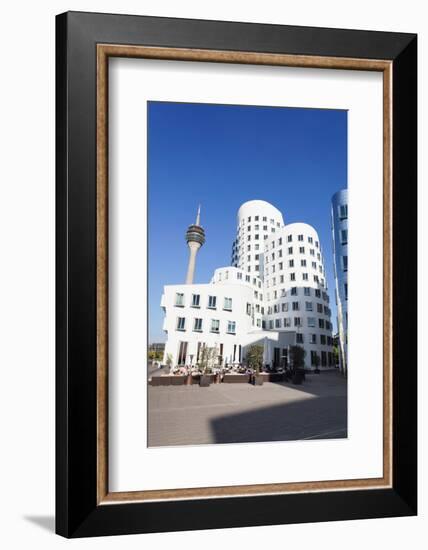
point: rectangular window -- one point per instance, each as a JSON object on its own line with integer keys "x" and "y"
{"x": 227, "y": 304}
{"x": 344, "y": 236}
{"x": 292, "y": 276}
{"x": 303, "y": 263}
{"x": 310, "y": 240}
{"x": 300, "y": 238}
{"x": 248, "y": 309}
{"x": 271, "y": 325}
{"x": 322, "y": 339}
{"x": 195, "y": 300}
{"x": 277, "y": 323}
{"x": 290, "y": 238}
{"x": 297, "y": 321}
{"x": 345, "y": 263}
{"x": 307, "y": 291}
{"x": 343, "y": 211}
{"x": 296, "y": 306}
{"x": 299, "y": 338}
{"x": 313, "y": 338}
{"x": 212, "y": 302}
{"x": 287, "y": 322}
{"x": 231, "y": 327}
{"x": 290, "y": 250}
{"x": 239, "y": 275}
{"x": 301, "y": 249}
{"x": 317, "y": 293}
{"x": 305, "y": 276}
{"x": 308, "y": 306}
{"x": 312, "y": 252}
{"x": 319, "y": 308}
{"x": 321, "y": 323}
{"x": 215, "y": 325}
{"x": 284, "y": 307}
{"x": 311, "y": 321}
{"x": 181, "y": 323}
{"x": 281, "y": 278}
{"x": 179, "y": 299}
{"x": 197, "y": 327}
{"x": 290, "y": 263}
{"x": 279, "y": 241}
{"x": 294, "y": 291}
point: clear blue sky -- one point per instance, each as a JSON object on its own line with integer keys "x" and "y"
{"x": 223, "y": 155}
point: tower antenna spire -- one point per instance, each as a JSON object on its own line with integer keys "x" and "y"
{"x": 198, "y": 216}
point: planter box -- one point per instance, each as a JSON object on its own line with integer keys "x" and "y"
{"x": 273, "y": 376}
{"x": 160, "y": 381}
{"x": 205, "y": 380}
{"x": 236, "y": 378}
{"x": 257, "y": 379}
{"x": 178, "y": 380}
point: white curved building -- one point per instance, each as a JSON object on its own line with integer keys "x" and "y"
{"x": 256, "y": 221}
{"x": 274, "y": 293}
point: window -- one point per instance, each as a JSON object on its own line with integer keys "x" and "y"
{"x": 294, "y": 291}
{"x": 319, "y": 308}
{"x": 181, "y": 323}
{"x": 179, "y": 299}
{"x": 215, "y": 325}
{"x": 248, "y": 248}
{"x": 346, "y": 291}
{"x": 248, "y": 309}
{"x": 265, "y": 228}
{"x": 257, "y": 256}
{"x": 316, "y": 279}
{"x": 227, "y": 304}
{"x": 231, "y": 327}
{"x": 344, "y": 236}
{"x": 248, "y": 258}
{"x": 345, "y": 263}
{"x": 305, "y": 276}
{"x": 297, "y": 321}
{"x": 321, "y": 323}
{"x": 290, "y": 238}
{"x": 312, "y": 252}
{"x": 299, "y": 338}
{"x": 280, "y": 266}
{"x": 247, "y": 278}
{"x": 287, "y": 322}
{"x": 317, "y": 293}
{"x": 212, "y": 302}
{"x": 303, "y": 263}
{"x": 290, "y": 250}
{"x": 310, "y": 240}
{"x": 256, "y": 227}
{"x": 311, "y": 321}
{"x": 284, "y": 307}
{"x": 239, "y": 275}
{"x": 301, "y": 249}
{"x": 308, "y": 306}
{"x": 256, "y": 218}
{"x": 306, "y": 291}
{"x": 314, "y": 265}
{"x": 256, "y": 247}
{"x": 279, "y": 241}
{"x": 300, "y": 237}
{"x": 281, "y": 278}
{"x": 249, "y": 219}
{"x": 322, "y": 339}
{"x": 280, "y": 253}
{"x": 197, "y": 326}
{"x": 283, "y": 293}
{"x": 343, "y": 211}
{"x": 277, "y": 323}
{"x": 317, "y": 244}
{"x": 292, "y": 276}
{"x": 271, "y": 325}
{"x": 256, "y": 236}
{"x": 314, "y": 358}
{"x": 249, "y": 228}
{"x": 290, "y": 263}
{"x": 295, "y": 306}
{"x": 264, "y": 219}
{"x": 313, "y": 338}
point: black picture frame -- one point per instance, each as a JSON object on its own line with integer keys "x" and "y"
{"x": 77, "y": 511}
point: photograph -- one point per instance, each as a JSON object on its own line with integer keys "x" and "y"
{"x": 247, "y": 273}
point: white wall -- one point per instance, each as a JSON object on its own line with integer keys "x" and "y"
{"x": 27, "y": 272}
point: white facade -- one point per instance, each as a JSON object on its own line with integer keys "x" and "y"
{"x": 274, "y": 293}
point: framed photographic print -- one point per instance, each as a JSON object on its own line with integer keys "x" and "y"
{"x": 236, "y": 274}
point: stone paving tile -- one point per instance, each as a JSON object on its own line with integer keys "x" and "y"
{"x": 233, "y": 413}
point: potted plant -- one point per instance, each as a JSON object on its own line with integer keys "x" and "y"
{"x": 317, "y": 362}
{"x": 206, "y": 362}
{"x": 255, "y": 361}
{"x": 169, "y": 361}
{"x": 298, "y": 358}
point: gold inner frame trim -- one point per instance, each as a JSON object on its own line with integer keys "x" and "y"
{"x": 104, "y": 51}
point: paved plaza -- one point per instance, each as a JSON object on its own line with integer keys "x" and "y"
{"x": 240, "y": 413}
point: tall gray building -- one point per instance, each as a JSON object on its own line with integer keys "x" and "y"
{"x": 339, "y": 223}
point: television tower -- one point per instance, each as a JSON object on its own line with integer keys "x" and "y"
{"x": 195, "y": 237}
